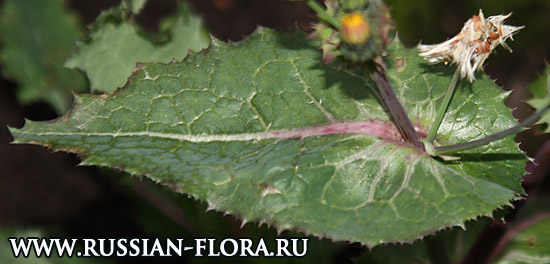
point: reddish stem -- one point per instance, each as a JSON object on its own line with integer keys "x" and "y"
{"x": 395, "y": 109}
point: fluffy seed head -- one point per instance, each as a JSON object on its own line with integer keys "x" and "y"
{"x": 473, "y": 45}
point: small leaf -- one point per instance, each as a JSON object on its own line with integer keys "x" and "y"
{"x": 37, "y": 36}
{"x": 261, "y": 130}
{"x": 531, "y": 245}
{"x": 137, "y": 5}
{"x": 541, "y": 98}
{"x": 115, "y": 47}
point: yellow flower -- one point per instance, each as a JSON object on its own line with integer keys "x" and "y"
{"x": 354, "y": 29}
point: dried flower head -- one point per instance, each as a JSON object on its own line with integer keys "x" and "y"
{"x": 473, "y": 45}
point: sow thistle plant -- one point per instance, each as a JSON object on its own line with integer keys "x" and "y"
{"x": 334, "y": 144}
{"x": 353, "y": 38}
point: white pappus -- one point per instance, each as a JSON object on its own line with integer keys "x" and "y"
{"x": 473, "y": 45}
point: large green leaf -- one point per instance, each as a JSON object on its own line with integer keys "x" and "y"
{"x": 115, "y": 47}
{"x": 37, "y": 36}
{"x": 261, "y": 130}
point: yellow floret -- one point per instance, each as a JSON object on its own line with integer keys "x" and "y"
{"x": 354, "y": 29}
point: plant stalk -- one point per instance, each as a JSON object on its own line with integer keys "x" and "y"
{"x": 432, "y": 133}
{"x": 484, "y": 141}
{"x": 395, "y": 109}
{"x": 322, "y": 13}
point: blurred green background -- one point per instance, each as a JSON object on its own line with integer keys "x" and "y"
{"x": 46, "y": 194}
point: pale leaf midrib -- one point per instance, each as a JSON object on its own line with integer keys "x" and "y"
{"x": 382, "y": 130}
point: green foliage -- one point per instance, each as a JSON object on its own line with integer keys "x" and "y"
{"x": 260, "y": 130}
{"x": 531, "y": 245}
{"x": 116, "y": 45}
{"x": 37, "y": 36}
{"x": 135, "y": 5}
{"x": 541, "y": 98}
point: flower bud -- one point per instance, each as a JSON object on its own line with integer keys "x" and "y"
{"x": 354, "y": 29}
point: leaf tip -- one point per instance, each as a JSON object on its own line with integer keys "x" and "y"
{"x": 13, "y": 132}
{"x": 261, "y": 223}
{"x": 214, "y": 41}
{"x": 243, "y": 223}
{"x": 210, "y": 207}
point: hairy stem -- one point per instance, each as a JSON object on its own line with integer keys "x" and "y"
{"x": 443, "y": 108}
{"x": 322, "y": 13}
{"x": 486, "y": 140}
{"x": 395, "y": 109}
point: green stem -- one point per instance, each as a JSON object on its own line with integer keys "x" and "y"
{"x": 443, "y": 108}
{"x": 486, "y": 140}
{"x": 322, "y": 13}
